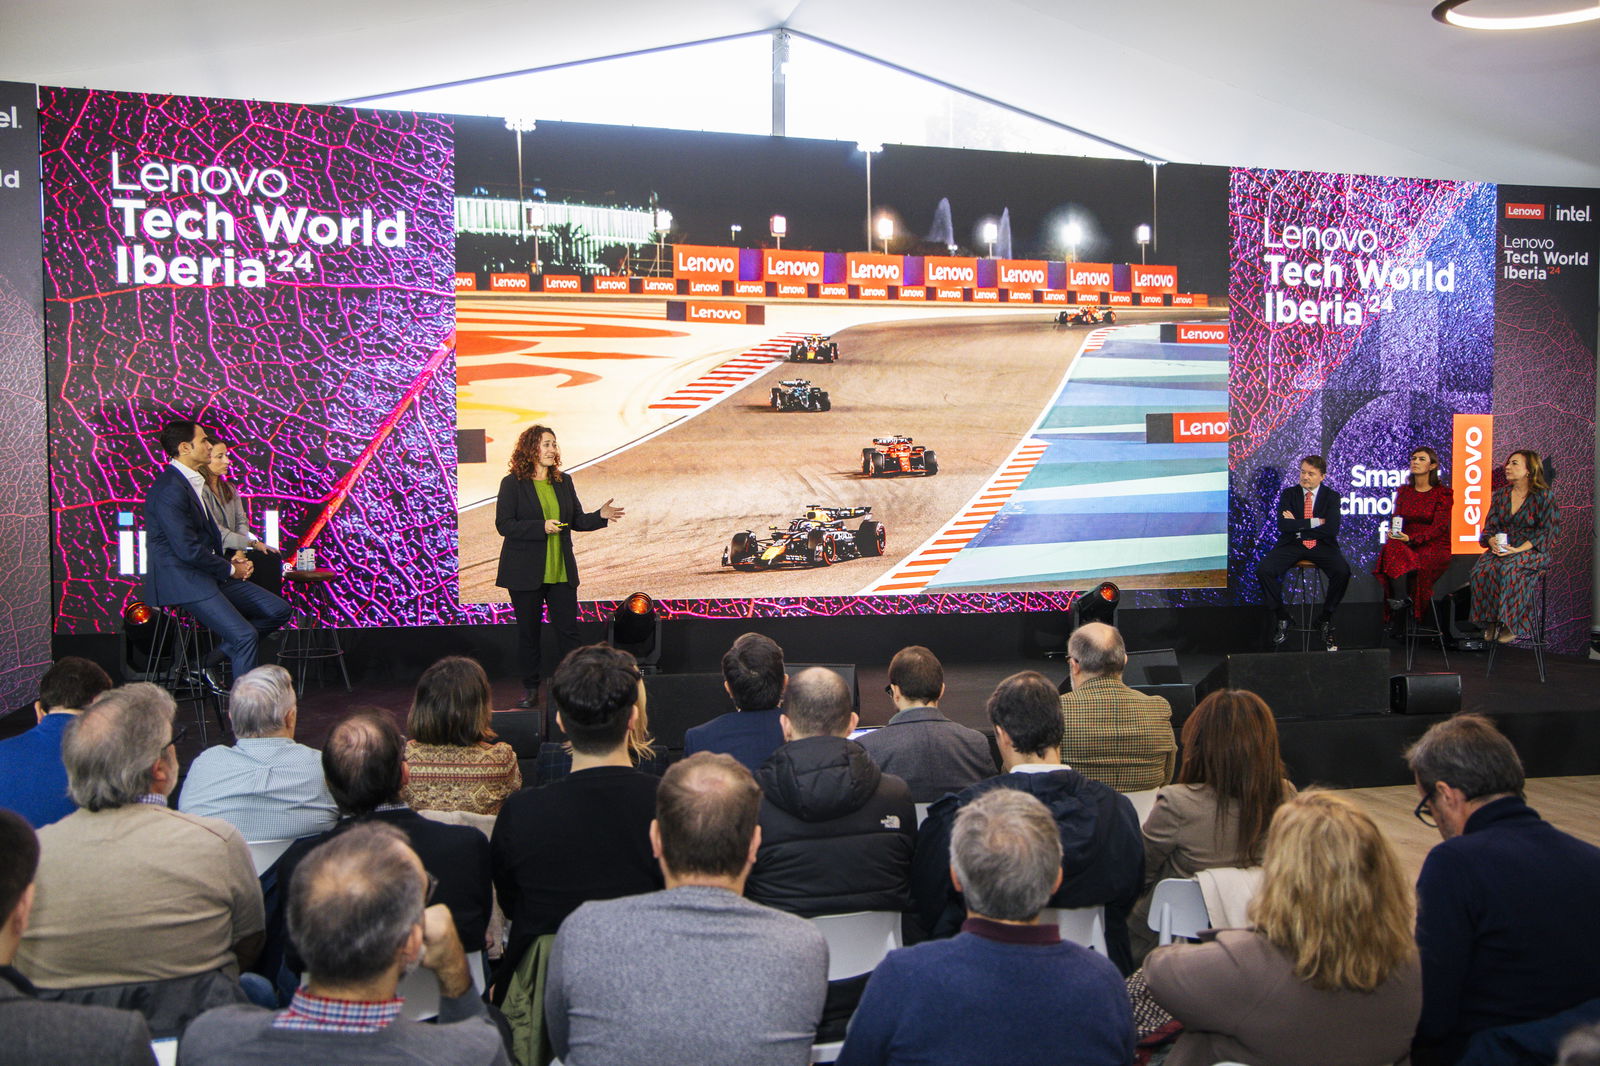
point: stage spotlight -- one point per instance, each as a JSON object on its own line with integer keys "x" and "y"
{"x": 137, "y": 642}
{"x": 1099, "y": 604}
{"x": 635, "y": 627}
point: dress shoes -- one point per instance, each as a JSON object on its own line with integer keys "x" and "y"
{"x": 1328, "y": 639}
{"x": 1280, "y": 632}
{"x": 529, "y": 700}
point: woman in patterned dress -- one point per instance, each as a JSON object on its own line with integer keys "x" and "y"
{"x": 452, "y": 760}
{"x": 1412, "y": 560}
{"x": 1505, "y": 580}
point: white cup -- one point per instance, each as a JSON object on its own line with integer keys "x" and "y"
{"x": 1502, "y": 541}
{"x": 1397, "y": 524}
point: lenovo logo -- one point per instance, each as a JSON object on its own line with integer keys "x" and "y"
{"x": 1153, "y": 277}
{"x": 1021, "y": 275}
{"x": 561, "y": 283}
{"x": 1197, "y": 426}
{"x": 1088, "y": 277}
{"x": 1534, "y": 211}
{"x": 698, "y": 312}
{"x": 1190, "y": 333}
{"x": 466, "y": 282}
{"x": 874, "y": 271}
{"x": 793, "y": 268}
{"x": 508, "y": 282}
{"x": 1472, "y": 471}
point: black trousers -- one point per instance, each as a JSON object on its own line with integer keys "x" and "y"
{"x": 529, "y": 604}
{"x": 1278, "y": 561}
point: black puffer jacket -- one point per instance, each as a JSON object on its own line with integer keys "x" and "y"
{"x": 837, "y": 833}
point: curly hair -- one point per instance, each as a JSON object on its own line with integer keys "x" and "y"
{"x": 525, "y": 456}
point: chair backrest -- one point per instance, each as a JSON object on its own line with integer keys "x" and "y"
{"x": 1142, "y": 802}
{"x": 266, "y": 852}
{"x": 483, "y": 823}
{"x": 420, "y": 989}
{"x": 858, "y": 941}
{"x": 1177, "y": 908}
{"x": 1085, "y": 926}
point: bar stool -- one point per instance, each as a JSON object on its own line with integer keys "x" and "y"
{"x": 1415, "y": 631}
{"x": 1537, "y": 642}
{"x": 312, "y": 640}
{"x": 182, "y": 642}
{"x": 1304, "y": 586}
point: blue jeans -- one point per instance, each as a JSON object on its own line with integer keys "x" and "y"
{"x": 240, "y": 614}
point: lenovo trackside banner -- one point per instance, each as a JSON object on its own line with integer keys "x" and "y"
{"x": 866, "y": 268}
{"x": 1143, "y": 278}
{"x": 1089, "y": 277}
{"x": 1023, "y": 274}
{"x": 1186, "y": 427}
{"x": 1194, "y": 333}
{"x": 711, "y": 311}
{"x": 950, "y": 272}
{"x": 1472, "y": 461}
{"x": 704, "y": 263}
{"x": 791, "y": 266}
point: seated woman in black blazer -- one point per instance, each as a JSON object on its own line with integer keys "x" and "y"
{"x": 536, "y": 513}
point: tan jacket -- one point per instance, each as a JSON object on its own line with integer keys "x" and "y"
{"x": 1118, "y": 736}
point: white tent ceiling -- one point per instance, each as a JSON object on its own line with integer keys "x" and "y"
{"x": 1356, "y": 85}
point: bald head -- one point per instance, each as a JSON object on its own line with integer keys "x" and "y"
{"x": 706, "y": 809}
{"x": 364, "y": 762}
{"x": 353, "y": 903}
{"x": 112, "y": 749}
{"x": 817, "y": 704}
{"x": 1098, "y": 649}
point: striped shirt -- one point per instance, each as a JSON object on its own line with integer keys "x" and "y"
{"x": 269, "y": 788}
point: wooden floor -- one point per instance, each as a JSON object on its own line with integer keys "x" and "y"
{"x": 1571, "y": 804}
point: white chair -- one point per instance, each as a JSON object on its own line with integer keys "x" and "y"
{"x": 1177, "y": 909}
{"x": 420, "y": 989}
{"x": 922, "y": 813}
{"x": 1142, "y": 802}
{"x": 857, "y": 942}
{"x": 266, "y": 852}
{"x": 165, "y": 1050}
{"x": 1085, "y": 926}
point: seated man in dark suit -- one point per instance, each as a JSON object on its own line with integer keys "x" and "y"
{"x": 187, "y": 565}
{"x": 1308, "y": 529}
{"x": 1102, "y": 860}
{"x": 364, "y": 762}
{"x": 36, "y": 1031}
{"x": 359, "y": 910}
{"x": 752, "y": 673}
{"x": 587, "y": 835}
{"x": 929, "y": 752}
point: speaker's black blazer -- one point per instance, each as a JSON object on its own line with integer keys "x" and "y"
{"x": 520, "y": 520}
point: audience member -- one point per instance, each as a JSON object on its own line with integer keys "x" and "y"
{"x": 694, "y": 973}
{"x": 1102, "y": 857}
{"x": 837, "y": 833}
{"x": 37, "y": 1032}
{"x": 1112, "y": 733}
{"x": 1024, "y": 995}
{"x": 1326, "y": 976}
{"x": 1581, "y": 1047}
{"x": 359, "y": 909}
{"x": 265, "y": 785}
{"x": 452, "y": 759}
{"x": 555, "y": 756}
{"x": 752, "y": 673}
{"x": 586, "y": 836}
{"x": 1229, "y": 784}
{"x": 364, "y": 763}
{"x": 1507, "y": 922}
{"x": 33, "y": 781}
{"x": 919, "y": 745}
{"x": 130, "y": 891}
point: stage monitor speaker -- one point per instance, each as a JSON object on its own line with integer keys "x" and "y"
{"x": 1425, "y": 693}
{"x": 1315, "y": 684}
{"x": 844, "y": 670}
{"x": 1157, "y": 667}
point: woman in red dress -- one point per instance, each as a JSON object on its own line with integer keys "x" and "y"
{"x": 1413, "y": 559}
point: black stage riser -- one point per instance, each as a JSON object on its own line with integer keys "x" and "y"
{"x": 1319, "y": 684}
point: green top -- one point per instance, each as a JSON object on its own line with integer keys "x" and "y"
{"x": 555, "y": 562}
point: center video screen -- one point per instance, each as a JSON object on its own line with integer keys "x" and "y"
{"x": 1018, "y": 387}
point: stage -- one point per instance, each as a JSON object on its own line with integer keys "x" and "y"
{"x": 1555, "y": 725}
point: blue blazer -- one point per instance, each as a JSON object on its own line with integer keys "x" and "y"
{"x": 185, "y": 561}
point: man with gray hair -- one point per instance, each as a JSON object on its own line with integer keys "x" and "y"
{"x": 361, "y": 915}
{"x": 1110, "y": 732}
{"x": 1035, "y": 997}
{"x": 129, "y": 890}
{"x": 696, "y": 972}
{"x": 265, "y": 785}
{"x": 1506, "y": 919}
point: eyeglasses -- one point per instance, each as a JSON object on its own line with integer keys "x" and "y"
{"x": 889, "y": 689}
{"x": 177, "y": 738}
{"x": 1424, "y": 813}
{"x": 433, "y": 887}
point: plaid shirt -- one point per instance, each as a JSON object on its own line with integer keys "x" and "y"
{"x": 322, "y": 1015}
{"x": 1118, "y": 736}
{"x": 153, "y": 799}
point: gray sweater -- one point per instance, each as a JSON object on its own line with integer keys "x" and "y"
{"x": 690, "y": 975}
{"x": 464, "y": 1036}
